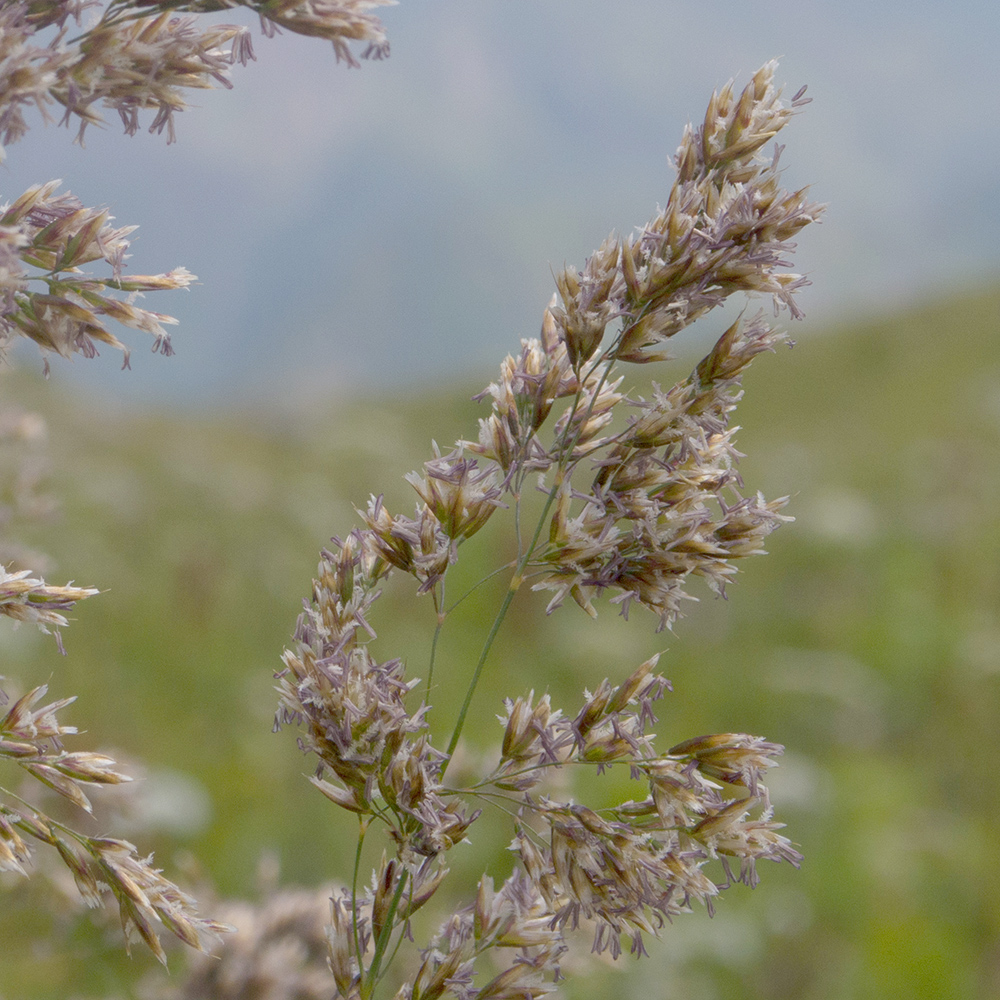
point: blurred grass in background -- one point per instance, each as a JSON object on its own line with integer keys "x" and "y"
{"x": 868, "y": 643}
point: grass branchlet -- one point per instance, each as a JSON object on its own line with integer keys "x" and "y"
{"x": 639, "y": 492}
{"x": 632, "y": 510}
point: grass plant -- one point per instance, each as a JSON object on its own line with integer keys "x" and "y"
{"x": 591, "y": 481}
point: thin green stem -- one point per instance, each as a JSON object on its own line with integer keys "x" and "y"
{"x": 442, "y": 615}
{"x": 399, "y": 939}
{"x": 498, "y": 801}
{"x": 478, "y": 584}
{"x": 508, "y": 599}
{"x": 517, "y": 519}
{"x": 362, "y": 829}
{"x": 368, "y": 985}
{"x": 438, "y": 602}
{"x": 563, "y": 468}
{"x": 494, "y": 629}
{"x": 80, "y": 838}
{"x": 430, "y": 667}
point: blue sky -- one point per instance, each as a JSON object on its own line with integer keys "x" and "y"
{"x": 368, "y": 230}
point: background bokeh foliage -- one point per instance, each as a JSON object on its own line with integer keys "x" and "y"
{"x": 867, "y": 642}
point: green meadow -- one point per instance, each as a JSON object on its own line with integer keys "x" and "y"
{"x": 867, "y": 642}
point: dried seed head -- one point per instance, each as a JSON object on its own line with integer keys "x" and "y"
{"x": 460, "y": 496}
{"x": 735, "y": 758}
{"x": 56, "y": 234}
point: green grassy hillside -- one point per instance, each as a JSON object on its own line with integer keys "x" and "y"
{"x": 868, "y": 643}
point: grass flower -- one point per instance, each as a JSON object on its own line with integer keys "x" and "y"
{"x": 29, "y": 599}
{"x": 135, "y": 57}
{"x": 339, "y": 21}
{"x": 631, "y": 508}
{"x": 46, "y": 238}
{"x": 143, "y": 56}
{"x": 102, "y": 867}
{"x": 612, "y": 492}
{"x": 275, "y": 951}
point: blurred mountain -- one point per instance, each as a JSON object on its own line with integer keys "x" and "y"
{"x": 400, "y": 222}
